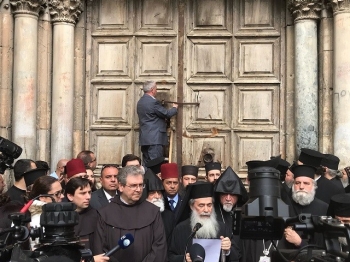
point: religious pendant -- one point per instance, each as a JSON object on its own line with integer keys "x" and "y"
{"x": 264, "y": 259}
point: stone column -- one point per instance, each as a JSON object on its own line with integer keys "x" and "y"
{"x": 326, "y": 81}
{"x": 44, "y": 85}
{"x": 306, "y": 13}
{"x": 64, "y": 14}
{"x": 341, "y": 80}
{"x": 6, "y": 65}
{"x": 25, "y": 71}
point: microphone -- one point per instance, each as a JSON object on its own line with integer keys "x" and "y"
{"x": 197, "y": 253}
{"x": 196, "y": 227}
{"x": 124, "y": 242}
{"x": 194, "y": 230}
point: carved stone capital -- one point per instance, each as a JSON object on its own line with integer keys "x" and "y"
{"x": 65, "y": 10}
{"x": 32, "y": 7}
{"x": 305, "y": 9}
{"x": 339, "y": 5}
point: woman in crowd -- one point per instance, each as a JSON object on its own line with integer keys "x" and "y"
{"x": 46, "y": 189}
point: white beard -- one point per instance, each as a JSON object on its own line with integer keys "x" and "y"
{"x": 227, "y": 207}
{"x": 210, "y": 226}
{"x": 302, "y": 197}
{"x": 159, "y": 203}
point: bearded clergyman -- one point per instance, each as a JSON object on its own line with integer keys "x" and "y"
{"x": 154, "y": 194}
{"x": 201, "y": 203}
{"x": 304, "y": 201}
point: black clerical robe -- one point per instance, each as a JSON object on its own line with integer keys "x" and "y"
{"x": 180, "y": 236}
{"x": 326, "y": 189}
{"x": 142, "y": 220}
{"x": 168, "y": 218}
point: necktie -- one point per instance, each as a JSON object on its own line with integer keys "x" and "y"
{"x": 171, "y": 203}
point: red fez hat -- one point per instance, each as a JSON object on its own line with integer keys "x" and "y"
{"x": 75, "y": 166}
{"x": 169, "y": 170}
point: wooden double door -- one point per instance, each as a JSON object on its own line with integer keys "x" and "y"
{"x": 226, "y": 55}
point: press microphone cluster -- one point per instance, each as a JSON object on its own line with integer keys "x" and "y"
{"x": 197, "y": 253}
{"x": 124, "y": 242}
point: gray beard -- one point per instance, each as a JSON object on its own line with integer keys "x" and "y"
{"x": 227, "y": 207}
{"x": 210, "y": 226}
{"x": 159, "y": 203}
{"x": 289, "y": 183}
{"x": 303, "y": 198}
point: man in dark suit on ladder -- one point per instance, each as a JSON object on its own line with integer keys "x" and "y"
{"x": 152, "y": 119}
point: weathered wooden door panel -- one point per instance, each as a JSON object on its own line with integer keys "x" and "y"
{"x": 234, "y": 71}
{"x": 128, "y": 43}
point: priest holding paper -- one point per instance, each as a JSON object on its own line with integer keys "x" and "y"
{"x": 201, "y": 227}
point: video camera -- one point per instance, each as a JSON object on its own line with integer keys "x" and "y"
{"x": 9, "y": 152}
{"x": 265, "y": 216}
{"x": 56, "y": 236}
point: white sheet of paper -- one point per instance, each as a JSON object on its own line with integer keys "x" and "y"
{"x": 212, "y": 248}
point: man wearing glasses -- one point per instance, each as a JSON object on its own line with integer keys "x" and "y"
{"x": 89, "y": 159}
{"x": 128, "y": 214}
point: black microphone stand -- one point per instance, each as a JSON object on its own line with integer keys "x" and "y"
{"x": 194, "y": 230}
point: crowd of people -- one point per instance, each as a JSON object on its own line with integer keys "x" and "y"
{"x": 162, "y": 206}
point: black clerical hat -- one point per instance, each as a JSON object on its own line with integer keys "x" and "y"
{"x": 259, "y": 163}
{"x": 304, "y": 170}
{"x": 155, "y": 164}
{"x": 196, "y": 190}
{"x": 31, "y": 175}
{"x": 189, "y": 170}
{"x": 212, "y": 166}
{"x": 282, "y": 166}
{"x": 230, "y": 183}
{"x": 330, "y": 161}
{"x": 310, "y": 157}
{"x": 339, "y": 205}
{"x": 152, "y": 181}
{"x": 201, "y": 190}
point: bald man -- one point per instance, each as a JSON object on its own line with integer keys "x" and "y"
{"x": 59, "y": 168}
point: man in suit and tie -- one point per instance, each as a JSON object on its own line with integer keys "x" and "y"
{"x": 152, "y": 119}
{"x": 109, "y": 182}
{"x": 171, "y": 182}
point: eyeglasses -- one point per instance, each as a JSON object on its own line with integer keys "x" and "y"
{"x": 58, "y": 193}
{"x": 137, "y": 186}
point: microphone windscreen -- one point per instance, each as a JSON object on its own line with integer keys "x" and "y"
{"x": 125, "y": 241}
{"x": 197, "y": 253}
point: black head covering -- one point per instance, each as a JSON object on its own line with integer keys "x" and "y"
{"x": 152, "y": 181}
{"x": 155, "y": 164}
{"x": 196, "y": 190}
{"x": 330, "y": 161}
{"x": 189, "y": 170}
{"x": 310, "y": 157}
{"x": 304, "y": 170}
{"x": 31, "y": 175}
{"x": 212, "y": 166}
{"x": 283, "y": 166}
{"x": 259, "y": 163}
{"x": 230, "y": 183}
{"x": 339, "y": 206}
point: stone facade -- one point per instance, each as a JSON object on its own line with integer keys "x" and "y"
{"x": 47, "y": 65}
